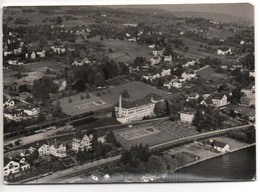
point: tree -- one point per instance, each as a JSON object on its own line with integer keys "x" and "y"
{"x": 43, "y": 87}
{"x": 99, "y": 79}
{"x": 125, "y": 94}
{"x": 79, "y": 86}
{"x": 59, "y": 20}
{"x": 186, "y": 49}
{"x": 156, "y": 165}
{"x": 171, "y": 163}
{"x": 160, "y": 109}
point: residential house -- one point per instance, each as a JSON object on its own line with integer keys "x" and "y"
{"x": 81, "y": 142}
{"x": 58, "y": 150}
{"x": 9, "y": 103}
{"x": 14, "y": 166}
{"x": 158, "y": 52}
{"x": 155, "y": 60}
{"x": 6, "y": 53}
{"x": 219, "y": 100}
{"x": 18, "y": 51}
{"x": 41, "y": 54}
{"x": 44, "y": 150}
{"x": 192, "y": 96}
{"x": 62, "y": 84}
{"x": 151, "y": 46}
{"x": 252, "y": 74}
{"x": 177, "y": 84}
{"x": 221, "y": 146}
{"x": 107, "y": 177}
{"x": 247, "y": 91}
{"x": 168, "y": 58}
{"x": 32, "y": 111}
{"x": 246, "y": 113}
{"x": 224, "y": 52}
{"x": 242, "y": 42}
{"x": 190, "y": 63}
{"x": 187, "y": 116}
{"x": 78, "y": 62}
{"x": 166, "y": 72}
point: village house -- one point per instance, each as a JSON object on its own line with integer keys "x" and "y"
{"x": 44, "y": 150}
{"x": 127, "y": 110}
{"x": 15, "y": 167}
{"x": 62, "y": 84}
{"x": 31, "y": 111}
{"x": 18, "y": 51}
{"x": 12, "y": 62}
{"x": 177, "y": 84}
{"x": 224, "y": 52}
{"x": 252, "y": 74}
{"x": 187, "y": 116}
{"x": 77, "y": 62}
{"x": 58, "y": 150}
{"x": 188, "y": 75}
{"x": 190, "y": 63}
{"x": 14, "y": 115}
{"x": 158, "y": 52}
{"x": 166, "y": 72}
{"x": 246, "y": 113}
{"x": 41, "y": 54}
{"x": 155, "y": 60}
{"x": 220, "y": 146}
{"x": 151, "y": 46}
{"x": 9, "y": 103}
{"x": 81, "y": 142}
{"x": 219, "y": 100}
{"x": 242, "y": 42}
{"x": 192, "y": 96}
{"x": 6, "y": 53}
{"x": 168, "y": 58}
{"x": 247, "y": 91}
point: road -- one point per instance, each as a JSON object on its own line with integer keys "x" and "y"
{"x": 77, "y": 170}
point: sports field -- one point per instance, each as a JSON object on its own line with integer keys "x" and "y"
{"x": 79, "y": 104}
{"x": 161, "y": 131}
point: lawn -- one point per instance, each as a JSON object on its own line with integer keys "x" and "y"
{"x": 210, "y": 74}
{"x": 163, "y": 131}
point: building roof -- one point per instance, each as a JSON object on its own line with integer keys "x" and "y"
{"x": 79, "y": 134}
{"x": 218, "y": 96}
{"x": 250, "y": 112}
{"x": 219, "y": 144}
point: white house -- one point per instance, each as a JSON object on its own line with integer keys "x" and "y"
{"x": 9, "y": 103}
{"x": 15, "y": 167}
{"x": 192, "y": 96}
{"x": 41, "y": 54}
{"x": 221, "y": 52}
{"x": 6, "y": 53}
{"x": 158, "y": 52}
{"x": 81, "y": 142}
{"x": 177, "y": 84}
{"x": 18, "y": 51}
{"x": 242, "y": 42}
{"x": 168, "y": 58}
{"x": 77, "y": 63}
{"x": 221, "y": 147}
{"x": 219, "y": 100}
{"x": 151, "y": 46}
{"x": 251, "y": 74}
{"x": 58, "y": 150}
{"x": 166, "y": 72}
{"x": 155, "y": 60}
{"x": 247, "y": 91}
{"x": 190, "y": 63}
{"x": 44, "y": 150}
{"x": 32, "y": 112}
{"x": 187, "y": 116}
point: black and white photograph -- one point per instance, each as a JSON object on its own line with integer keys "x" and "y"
{"x": 110, "y": 94}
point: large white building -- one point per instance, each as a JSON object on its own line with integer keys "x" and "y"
{"x": 219, "y": 100}
{"x": 127, "y": 110}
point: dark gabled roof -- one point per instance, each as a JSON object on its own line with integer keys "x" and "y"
{"x": 129, "y": 104}
{"x": 219, "y": 144}
{"x": 218, "y": 96}
{"x": 79, "y": 134}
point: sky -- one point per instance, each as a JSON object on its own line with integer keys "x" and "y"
{"x": 234, "y": 9}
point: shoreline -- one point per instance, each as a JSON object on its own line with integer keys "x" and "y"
{"x": 214, "y": 156}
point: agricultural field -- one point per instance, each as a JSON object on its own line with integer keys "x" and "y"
{"x": 210, "y": 74}
{"x": 124, "y": 51}
{"x": 162, "y": 131}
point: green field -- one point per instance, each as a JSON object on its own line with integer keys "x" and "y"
{"x": 124, "y": 51}
{"x": 210, "y": 74}
{"x": 164, "y": 131}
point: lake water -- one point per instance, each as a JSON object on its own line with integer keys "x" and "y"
{"x": 236, "y": 166}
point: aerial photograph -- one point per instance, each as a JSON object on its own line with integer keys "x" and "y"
{"x": 128, "y": 94}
